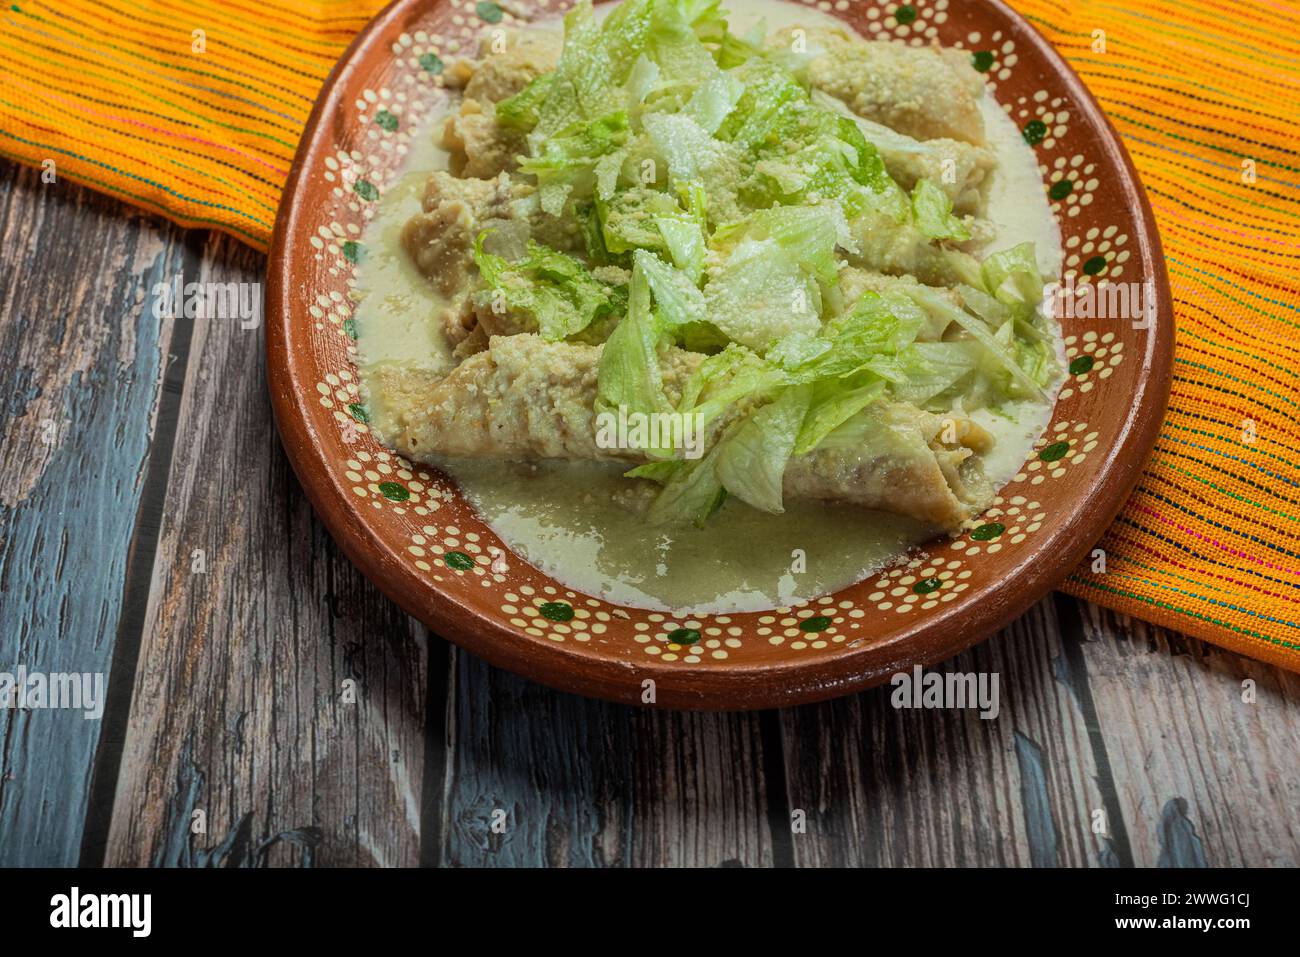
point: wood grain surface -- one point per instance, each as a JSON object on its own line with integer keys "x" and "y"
{"x": 267, "y": 706}
{"x": 81, "y": 379}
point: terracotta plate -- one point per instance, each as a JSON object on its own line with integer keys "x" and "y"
{"x": 408, "y": 529}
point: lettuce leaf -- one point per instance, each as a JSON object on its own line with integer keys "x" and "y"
{"x": 629, "y": 219}
{"x": 798, "y": 349}
{"x": 821, "y": 156}
{"x": 762, "y": 294}
{"x": 767, "y": 110}
{"x": 808, "y": 234}
{"x": 678, "y": 301}
{"x": 691, "y": 493}
{"x": 711, "y": 104}
{"x": 732, "y": 376}
{"x": 522, "y": 111}
{"x": 869, "y": 330}
{"x": 628, "y": 375}
{"x": 1012, "y": 277}
{"x": 553, "y": 289}
{"x": 684, "y": 240}
{"x": 932, "y": 213}
{"x": 564, "y": 166}
{"x": 833, "y": 402}
{"x": 595, "y": 64}
{"x": 751, "y": 459}
{"x": 690, "y": 156}
{"x": 932, "y": 368}
{"x": 672, "y": 41}
{"x": 983, "y": 305}
{"x": 1002, "y": 347}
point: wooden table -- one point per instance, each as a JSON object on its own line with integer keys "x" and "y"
{"x": 151, "y": 529}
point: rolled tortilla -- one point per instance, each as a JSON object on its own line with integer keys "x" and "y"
{"x": 923, "y": 92}
{"x": 527, "y": 399}
{"x": 961, "y": 170}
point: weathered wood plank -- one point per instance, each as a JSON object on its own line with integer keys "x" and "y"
{"x": 256, "y": 622}
{"x": 887, "y": 787}
{"x": 1203, "y": 777}
{"x": 80, "y": 380}
{"x": 569, "y": 781}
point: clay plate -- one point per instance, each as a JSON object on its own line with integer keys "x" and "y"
{"x": 409, "y": 531}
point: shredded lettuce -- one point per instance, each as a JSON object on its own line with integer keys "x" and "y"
{"x": 567, "y": 160}
{"x": 629, "y": 376}
{"x": 767, "y": 109}
{"x": 834, "y": 402}
{"x": 692, "y": 490}
{"x": 522, "y": 111}
{"x": 752, "y": 458}
{"x": 932, "y": 213}
{"x": 983, "y": 305}
{"x": 1001, "y": 347}
{"x": 678, "y": 301}
{"x": 684, "y": 239}
{"x": 761, "y": 294}
{"x": 930, "y": 369}
{"x": 713, "y": 102}
{"x": 683, "y": 144}
{"x": 629, "y": 219}
{"x": 643, "y": 80}
{"x": 672, "y": 42}
{"x": 808, "y": 235}
{"x": 733, "y": 376}
{"x": 798, "y": 349}
{"x": 860, "y": 338}
{"x": 554, "y": 290}
{"x": 1012, "y": 276}
{"x": 735, "y": 195}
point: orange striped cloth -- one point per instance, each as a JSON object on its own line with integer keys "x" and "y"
{"x": 129, "y": 97}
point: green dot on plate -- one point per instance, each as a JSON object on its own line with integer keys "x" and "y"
{"x": 350, "y": 330}
{"x": 431, "y": 63}
{"x": 556, "y": 611}
{"x": 361, "y": 415}
{"x": 927, "y": 585}
{"x": 1094, "y": 265}
{"x": 982, "y": 60}
{"x": 684, "y": 636}
{"x": 394, "y": 491}
{"x": 1061, "y": 189}
{"x": 988, "y": 531}
{"x": 352, "y": 250}
{"x": 816, "y": 623}
{"x": 1035, "y": 132}
{"x": 458, "y": 560}
{"x": 366, "y": 190}
{"x": 1054, "y": 451}
{"x": 905, "y": 14}
{"x": 1081, "y": 365}
{"x": 386, "y": 120}
{"x": 488, "y": 11}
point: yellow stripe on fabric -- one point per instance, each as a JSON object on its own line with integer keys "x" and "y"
{"x": 113, "y": 92}
{"x": 1195, "y": 92}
